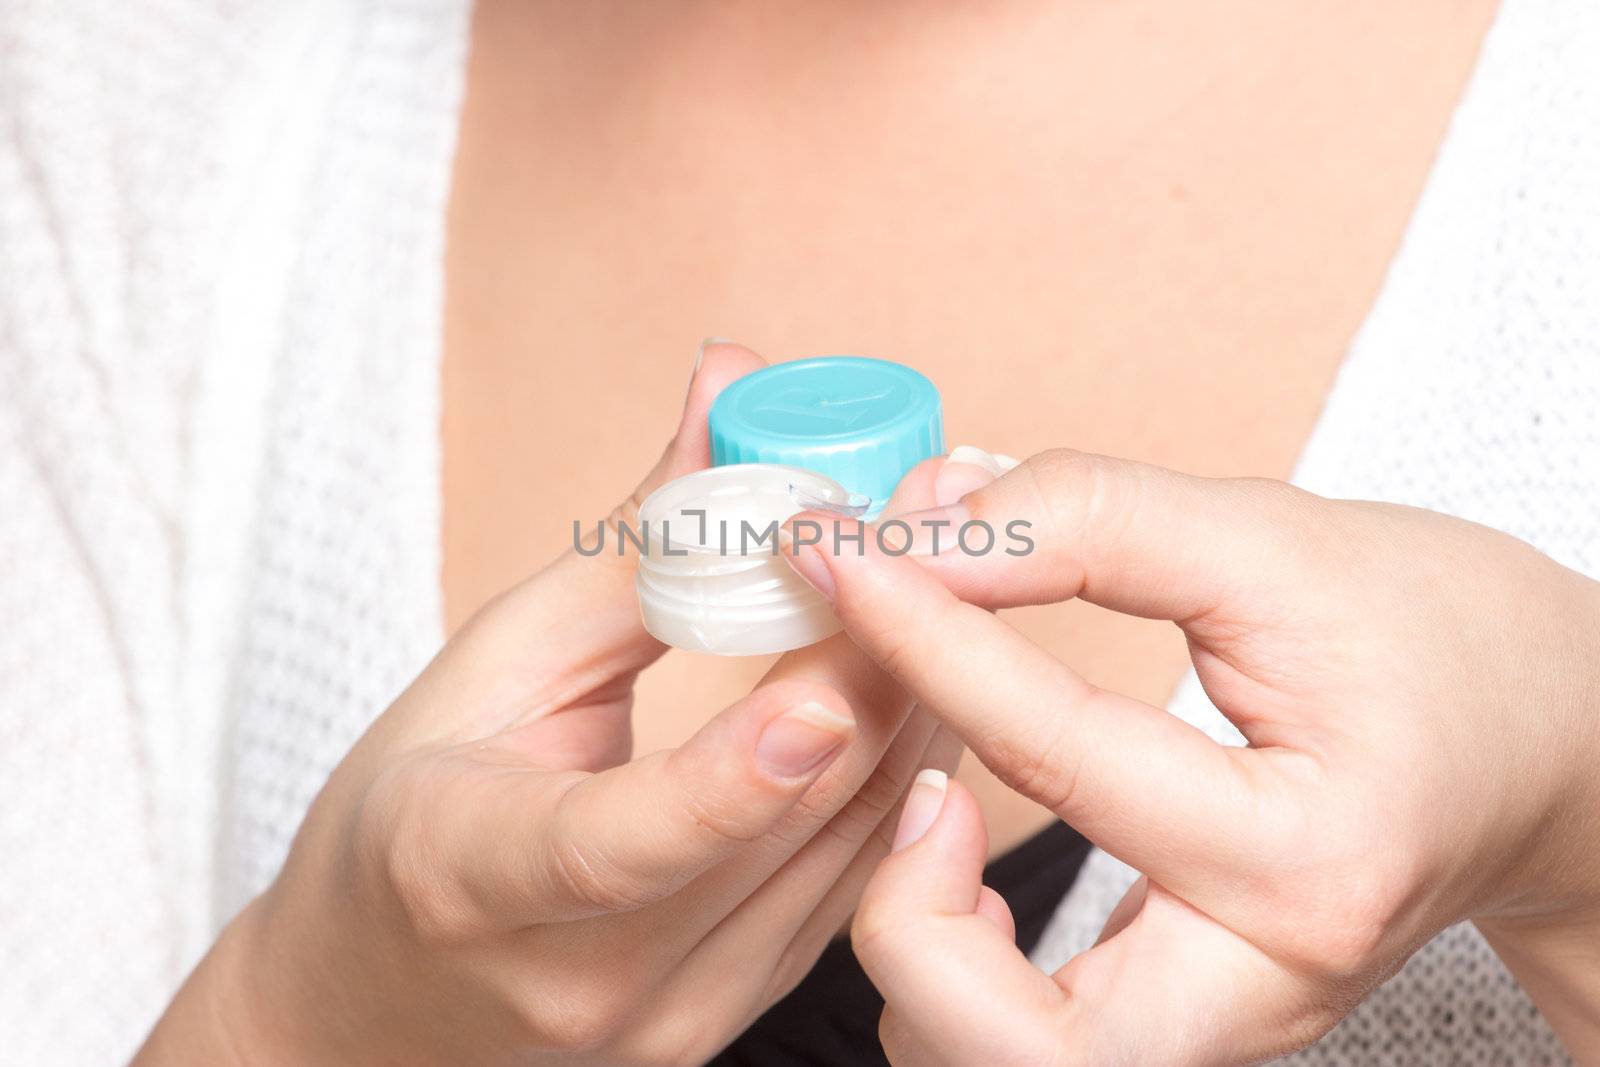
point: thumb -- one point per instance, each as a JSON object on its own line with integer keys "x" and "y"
{"x": 1166, "y": 984}
{"x": 535, "y": 846}
{"x": 938, "y": 946}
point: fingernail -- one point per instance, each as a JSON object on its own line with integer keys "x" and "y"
{"x": 797, "y": 741}
{"x": 808, "y": 561}
{"x": 923, "y": 804}
{"x": 705, "y": 344}
{"x": 966, "y": 469}
{"x": 896, "y": 536}
{"x": 934, "y": 531}
{"x": 694, "y": 372}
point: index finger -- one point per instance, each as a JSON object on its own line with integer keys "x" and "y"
{"x": 1142, "y": 784}
{"x": 1132, "y": 537}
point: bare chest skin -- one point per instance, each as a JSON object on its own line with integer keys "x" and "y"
{"x": 1146, "y": 229}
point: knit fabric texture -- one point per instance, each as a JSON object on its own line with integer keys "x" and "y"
{"x": 221, "y": 272}
{"x": 221, "y": 267}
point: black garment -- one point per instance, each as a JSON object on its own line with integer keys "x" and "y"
{"x": 831, "y": 1018}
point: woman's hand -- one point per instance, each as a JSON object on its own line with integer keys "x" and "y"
{"x": 1421, "y": 698}
{"x": 485, "y": 879}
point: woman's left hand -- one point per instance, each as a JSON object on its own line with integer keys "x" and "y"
{"x": 1421, "y": 698}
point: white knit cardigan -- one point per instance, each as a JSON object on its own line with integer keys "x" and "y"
{"x": 221, "y": 231}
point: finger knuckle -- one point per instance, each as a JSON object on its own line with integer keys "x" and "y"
{"x": 907, "y": 652}
{"x": 1343, "y": 913}
{"x": 851, "y": 825}
{"x": 898, "y": 648}
{"x": 584, "y": 876}
{"x": 625, "y": 515}
{"x": 726, "y": 812}
{"x": 677, "y": 1035}
{"x": 1353, "y": 932}
{"x": 585, "y": 1016}
{"x": 1299, "y": 530}
{"x": 1072, "y": 488}
{"x": 877, "y": 932}
{"x": 866, "y": 812}
{"x": 1040, "y": 761}
{"x": 397, "y": 842}
{"x": 628, "y": 511}
{"x": 1057, "y": 470}
{"x": 813, "y": 814}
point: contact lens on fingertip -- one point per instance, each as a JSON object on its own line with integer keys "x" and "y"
{"x": 854, "y": 506}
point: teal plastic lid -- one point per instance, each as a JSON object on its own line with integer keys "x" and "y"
{"x": 862, "y": 422}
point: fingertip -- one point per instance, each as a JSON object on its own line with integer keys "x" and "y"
{"x": 803, "y": 738}
{"x": 965, "y": 470}
{"x": 780, "y": 732}
{"x": 829, "y": 550}
{"x": 957, "y": 823}
{"x": 936, "y": 861}
{"x": 993, "y": 906}
{"x": 802, "y": 539}
{"x": 718, "y": 364}
{"x": 923, "y": 803}
{"x": 937, "y": 872}
{"x": 916, "y": 489}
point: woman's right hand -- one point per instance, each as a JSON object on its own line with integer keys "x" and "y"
{"x": 486, "y": 879}
{"x": 1421, "y": 701}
